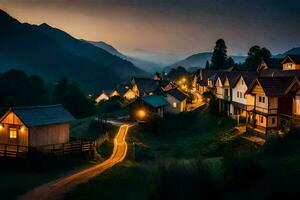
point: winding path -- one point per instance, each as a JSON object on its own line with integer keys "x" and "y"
{"x": 56, "y": 189}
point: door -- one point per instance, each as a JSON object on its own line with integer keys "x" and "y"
{"x": 13, "y": 135}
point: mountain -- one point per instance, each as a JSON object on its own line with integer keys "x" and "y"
{"x": 147, "y": 66}
{"x": 293, "y": 51}
{"x": 198, "y": 61}
{"x": 162, "y": 59}
{"x": 53, "y": 54}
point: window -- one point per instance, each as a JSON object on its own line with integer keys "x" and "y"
{"x": 261, "y": 99}
{"x": 174, "y": 105}
{"x": 238, "y": 94}
{"x": 13, "y": 133}
{"x": 261, "y": 119}
{"x": 273, "y": 120}
{"x": 289, "y": 65}
{"x": 241, "y": 95}
{"x": 242, "y": 82}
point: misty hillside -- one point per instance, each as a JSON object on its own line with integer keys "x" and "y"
{"x": 147, "y": 66}
{"x": 198, "y": 61}
{"x": 53, "y": 54}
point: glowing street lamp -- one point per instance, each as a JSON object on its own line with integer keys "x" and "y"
{"x": 141, "y": 114}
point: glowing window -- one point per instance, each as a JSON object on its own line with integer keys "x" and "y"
{"x": 13, "y": 133}
{"x": 174, "y": 104}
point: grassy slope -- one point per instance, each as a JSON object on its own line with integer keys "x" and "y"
{"x": 182, "y": 137}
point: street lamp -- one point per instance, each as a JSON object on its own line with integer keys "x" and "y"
{"x": 141, "y": 114}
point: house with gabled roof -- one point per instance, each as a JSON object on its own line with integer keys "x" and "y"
{"x": 144, "y": 86}
{"x": 177, "y": 101}
{"x": 242, "y": 102}
{"x": 291, "y": 62}
{"x": 270, "y": 64}
{"x": 35, "y": 126}
{"x": 106, "y": 94}
{"x": 148, "y": 105}
{"x": 273, "y": 98}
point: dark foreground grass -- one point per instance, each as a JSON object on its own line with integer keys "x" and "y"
{"x": 184, "y": 136}
{"x": 125, "y": 181}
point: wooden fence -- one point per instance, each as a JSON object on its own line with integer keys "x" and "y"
{"x": 9, "y": 150}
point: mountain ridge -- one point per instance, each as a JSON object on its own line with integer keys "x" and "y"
{"x": 52, "y": 54}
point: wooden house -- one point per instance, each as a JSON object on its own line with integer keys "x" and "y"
{"x": 291, "y": 62}
{"x": 177, "y": 101}
{"x": 242, "y": 102}
{"x": 202, "y": 81}
{"x": 148, "y": 105}
{"x": 106, "y": 94}
{"x": 273, "y": 98}
{"x": 144, "y": 86}
{"x": 270, "y": 64}
{"x": 35, "y": 126}
{"x": 223, "y": 90}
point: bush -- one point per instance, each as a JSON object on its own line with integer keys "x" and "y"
{"x": 214, "y": 104}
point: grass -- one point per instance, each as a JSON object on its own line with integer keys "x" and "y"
{"x": 124, "y": 181}
{"x": 188, "y": 135}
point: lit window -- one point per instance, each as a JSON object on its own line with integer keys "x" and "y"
{"x": 13, "y": 133}
{"x": 174, "y": 104}
{"x": 289, "y": 65}
{"x": 261, "y": 119}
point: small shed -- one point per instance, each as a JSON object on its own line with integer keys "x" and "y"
{"x": 147, "y": 105}
{"x": 177, "y": 100}
{"x": 35, "y": 126}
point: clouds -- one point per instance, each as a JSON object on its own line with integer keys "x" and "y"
{"x": 170, "y": 25}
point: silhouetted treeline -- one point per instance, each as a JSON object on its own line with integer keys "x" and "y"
{"x": 19, "y": 89}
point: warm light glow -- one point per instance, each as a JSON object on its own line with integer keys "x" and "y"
{"x": 141, "y": 114}
{"x": 1, "y": 126}
{"x": 13, "y": 133}
{"x": 22, "y": 129}
{"x": 183, "y": 80}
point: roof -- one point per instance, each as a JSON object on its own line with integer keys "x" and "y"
{"x": 232, "y": 77}
{"x": 177, "y": 94}
{"x": 294, "y": 58}
{"x": 273, "y": 86}
{"x": 146, "y": 84}
{"x": 33, "y": 116}
{"x": 204, "y": 75}
{"x": 248, "y": 78}
{"x": 155, "y": 101}
{"x": 274, "y": 63}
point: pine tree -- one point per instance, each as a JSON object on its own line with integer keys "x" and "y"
{"x": 219, "y": 57}
{"x": 207, "y": 65}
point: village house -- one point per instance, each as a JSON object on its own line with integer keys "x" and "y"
{"x": 273, "y": 98}
{"x": 126, "y": 93}
{"x": 242, "y": 102}
{"x": 148, "y": 105}
{"x": 177, "y": 101}
{"x": 291, "y": 62}
{"x": 223, "y": 90}
{"x": 201, "y": 80}
{"x": 106, "y": 94}
{"x": 270, "y": 64}
{"x": 144, "y": 86}
{"x": 35, "y": 126}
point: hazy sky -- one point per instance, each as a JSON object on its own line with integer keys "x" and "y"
{"x": 169, "y": 25}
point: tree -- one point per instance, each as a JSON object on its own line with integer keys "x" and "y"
{"x": 73, "y": 99}
{"x": 207, "y": 65}
{"x": 219, "y": 57}
{"x": 255, "y": 56}
{"x": 230, "y": 62}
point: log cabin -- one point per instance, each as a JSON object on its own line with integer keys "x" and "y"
{"x": 273, "y": 98}
{"x": 35, "y": 126}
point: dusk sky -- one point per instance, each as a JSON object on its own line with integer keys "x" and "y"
{"x": 171, "y": 25}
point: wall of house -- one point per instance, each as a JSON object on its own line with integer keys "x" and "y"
{"x": 241, "y": 88}
{"x": 12, "y": 121}
{"x": 129, "y": 95}
{"x": 296, "y": 104}
{"x": 219, "y": 89}
{"x": 175, "y": 106}
{"x": 50, "y": 134}
{"x": 291, "y": 66}
{"x": 114, "y": 93}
